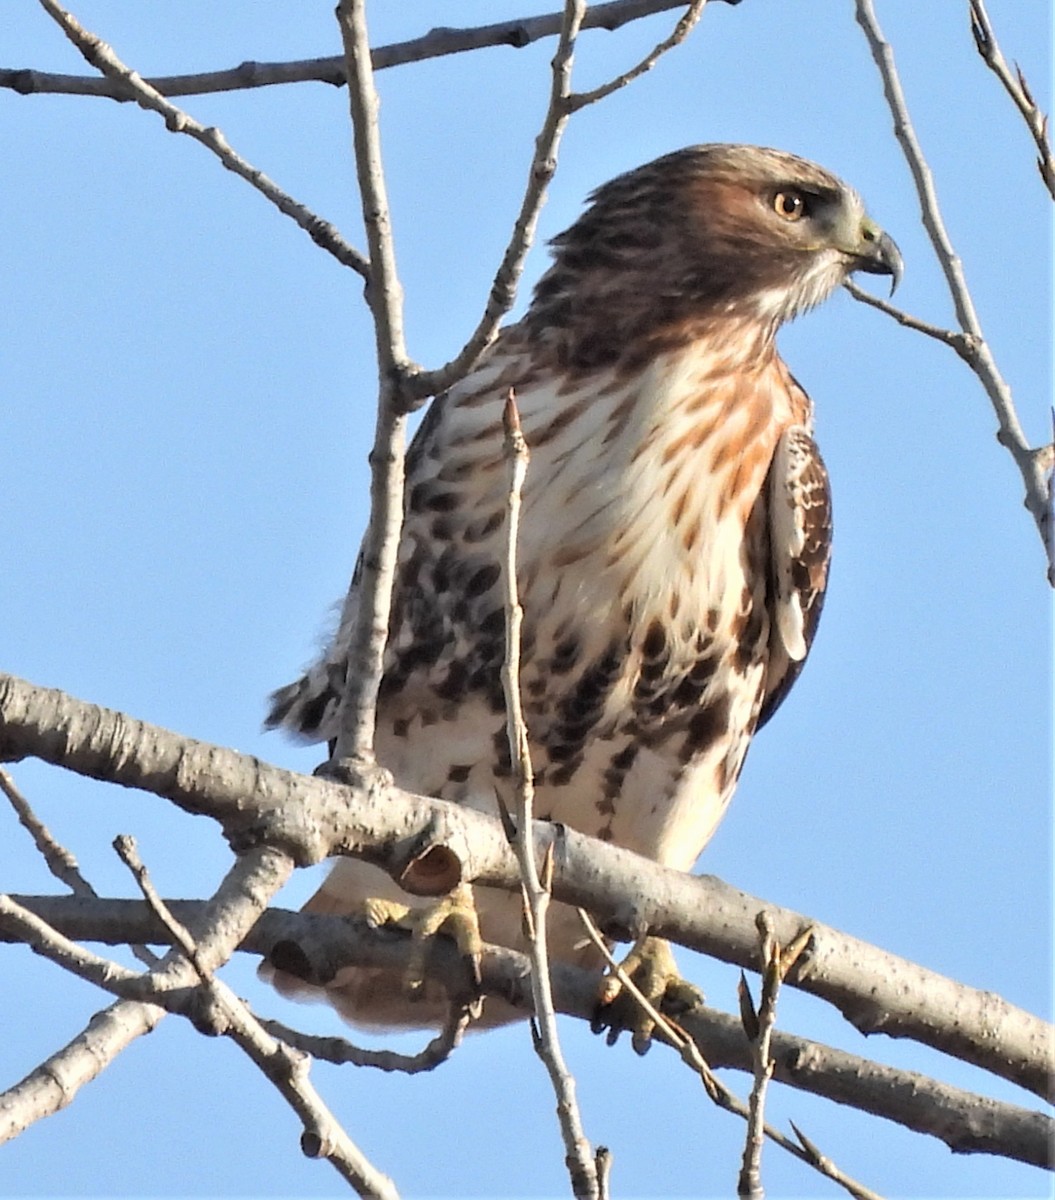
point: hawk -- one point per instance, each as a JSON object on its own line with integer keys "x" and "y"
{"x": 674, "y": 542}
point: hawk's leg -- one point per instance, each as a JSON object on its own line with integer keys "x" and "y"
{"x": 453, "y": 915}
{"x": 651, "y": 966}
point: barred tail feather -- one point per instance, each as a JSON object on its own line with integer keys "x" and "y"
{"x": 308, "y": 708}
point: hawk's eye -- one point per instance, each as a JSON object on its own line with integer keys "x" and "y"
{"x": 789, "y": 205}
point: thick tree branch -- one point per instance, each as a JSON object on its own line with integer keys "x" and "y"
{"x": 966, "y": 1122}
{"x": 516, "y": 33}
{"x": 309, "y": 818}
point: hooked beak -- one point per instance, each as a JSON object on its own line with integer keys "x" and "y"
{"x": 876, "y": 252}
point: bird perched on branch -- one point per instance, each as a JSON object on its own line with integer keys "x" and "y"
{"x": 674, "y": 541}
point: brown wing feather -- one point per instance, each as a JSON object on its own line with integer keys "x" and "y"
{"x": 800, "y": 551}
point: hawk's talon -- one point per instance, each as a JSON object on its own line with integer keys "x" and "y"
{"x": 651, "y": 967}
{"x": 453, "y": 915}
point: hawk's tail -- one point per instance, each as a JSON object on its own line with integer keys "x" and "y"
{"x": 309, "y": 707}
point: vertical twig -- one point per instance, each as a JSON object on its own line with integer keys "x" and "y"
{"x": 536, "y": 889}
{"x": 355, "y": 739}
{"x": 716, "y": 1090}
{"x": 1034, "y": 464}
{"x": 758, "y": 1025}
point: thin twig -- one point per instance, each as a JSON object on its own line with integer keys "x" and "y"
{"x": 355, "y": 739}
{"x": 1017, "y": 88}
{"x": 759, "y": 1025}
{"x": 723, "y": 1096}
{"x": 582, "y": 1165}
{"x": 60, "y": 861}
{"x": 1034, "y": 464}
{"x": 959, "y": 342}
{"x": 540, "y": 173}
{"x": 339, "y": 1050}
{"x": 562, "y": 103}
{"x": 102, "y": 57}
{"x": 679, "y": 33}
{"x": 221, "y": 1012}
{"x": 516, "y": 33}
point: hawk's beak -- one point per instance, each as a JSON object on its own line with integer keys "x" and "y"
{"x": 876, "y": 252}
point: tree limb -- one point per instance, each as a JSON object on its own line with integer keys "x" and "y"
{"x": 53, "y": 1084}
{"x": 535, "y": 886}
{"x": 377, "y": 567}
{"x": 310, "y": 818}
{"x": 966, "y": 1122}
{"x": 440, "y": 42}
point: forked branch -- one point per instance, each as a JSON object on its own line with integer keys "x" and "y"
{"x": 1034, "y": 464}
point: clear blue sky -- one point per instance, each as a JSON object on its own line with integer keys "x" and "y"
{"x": 187, "y": 404}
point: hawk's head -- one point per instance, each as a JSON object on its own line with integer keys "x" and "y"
{"x": 705, "y": 233}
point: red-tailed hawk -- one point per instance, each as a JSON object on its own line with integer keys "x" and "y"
{"x": 674, "y": 541}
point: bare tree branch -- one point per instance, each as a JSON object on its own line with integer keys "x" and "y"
{"x": 310, "y": 818}
{"x": 102, "y": 57}
{"x": 760, "y": 1027}
{"x": 543, "y": 166}
{"x": 225, "y": 920}
{"x": 59, "y": 1078}
{"x": 1034, "y": 464}
{"x": 957, "y": 341}
{"x": 562, "y": 103}
{"x": 680, "y": 32}
{"x": 223, "y": 1013}
{"x": 339, "y": 1050}
{"x": 355, "y": 739}
{"x": 516, "y": 33}
{"x": 579, "y": 1157}
{"x": 724, "y": 1097}
{"x": 1017, "y": 88}
{"x": 60, "y": 862}
{"x": 966, "y": 1122}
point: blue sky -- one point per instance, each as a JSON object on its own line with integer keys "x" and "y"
{"x": 188, "y": 397}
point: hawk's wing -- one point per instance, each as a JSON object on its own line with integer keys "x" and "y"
{"x": 800, "y": 531}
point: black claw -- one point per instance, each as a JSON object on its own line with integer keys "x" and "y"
{"x": 641, "y": 1044}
